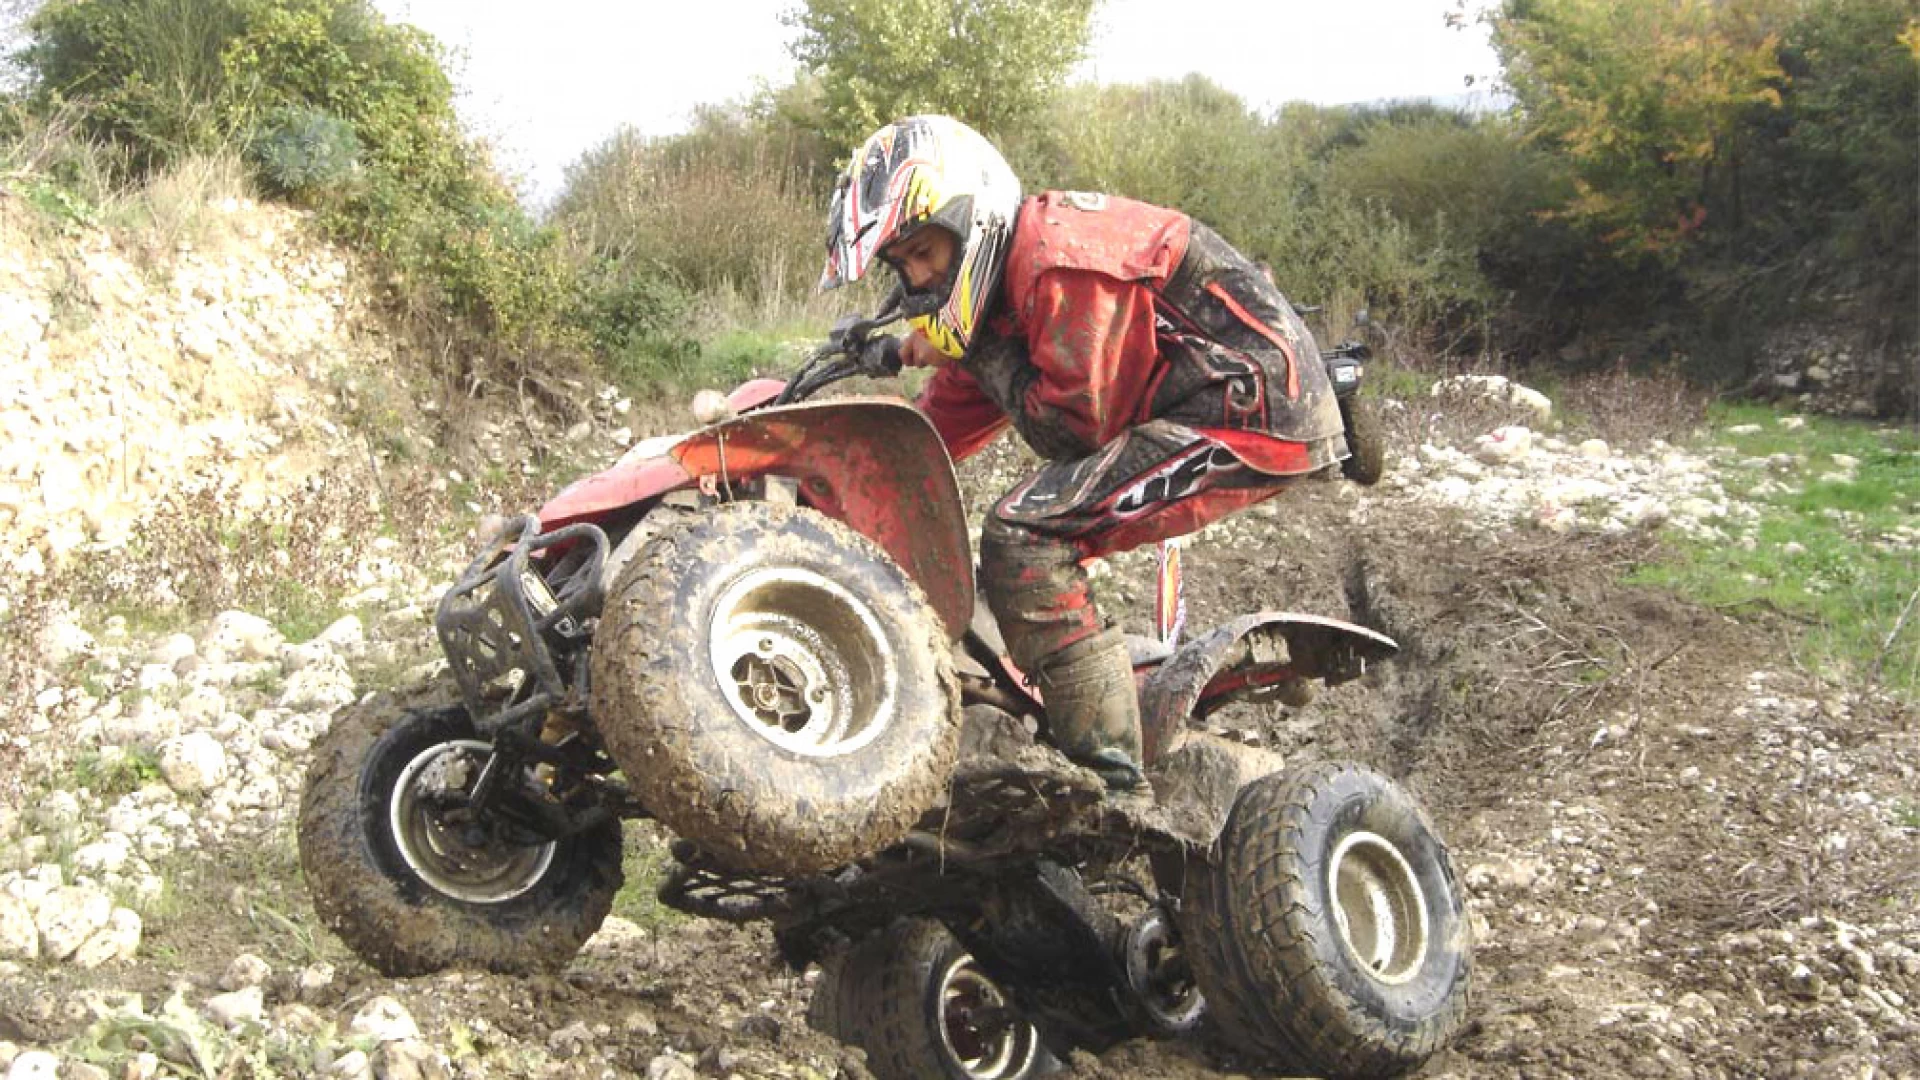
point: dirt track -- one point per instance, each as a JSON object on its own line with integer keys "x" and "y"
{"x": 1685, "y": 855}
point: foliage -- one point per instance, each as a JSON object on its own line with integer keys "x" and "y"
{"x": 304, "y": 151}
{"x": 709, "y": 215}
{"x": 992, "y": 63}
{"x": 314, "y": 88}
{"x": 1642, "y": 96}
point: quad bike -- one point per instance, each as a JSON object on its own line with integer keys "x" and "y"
{"x": 764, "y": 633}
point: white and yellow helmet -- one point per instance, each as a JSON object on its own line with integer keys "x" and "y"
{"x": 927, "y": 170}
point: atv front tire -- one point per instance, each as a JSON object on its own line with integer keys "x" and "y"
{"x": 776, "y": 689}
{"x": 1327, "y": 931}
{"x": 412, "y": 892}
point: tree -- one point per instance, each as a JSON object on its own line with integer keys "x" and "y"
{"x": 1641, "y": 97}
{"x": 991, "y": 63}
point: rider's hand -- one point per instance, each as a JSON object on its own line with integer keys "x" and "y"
{"x": 917, "y": 351}
{"x": 880, "y": 356}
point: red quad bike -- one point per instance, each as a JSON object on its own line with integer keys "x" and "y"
{"x": 764, "y": 634}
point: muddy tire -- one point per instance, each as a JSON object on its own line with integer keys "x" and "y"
{"x": 409, "y": 896}
{"x": 1327, "y": 931}
{"x": 775, "y": 689}
{"x": 921, "y": 1008}
{"x": 1366, "y": 440}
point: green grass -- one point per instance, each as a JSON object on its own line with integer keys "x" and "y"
{"x": 1835, "y": 548}
{"x": 645, "y": 863}
{"x": 116, "y": 773}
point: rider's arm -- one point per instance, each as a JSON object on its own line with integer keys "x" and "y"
{"x": 1091, "y": 337}
{"x": 966, "y": 418}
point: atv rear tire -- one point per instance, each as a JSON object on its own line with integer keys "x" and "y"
{"x": 1366, "y": 441}
{"x": 775, "y": 689}
{"x": 915, "y": 1000}
{"x": 1327, "y": 931}
{"x": 411, "y": 894}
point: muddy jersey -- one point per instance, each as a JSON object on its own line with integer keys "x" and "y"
{"x": 1114, "y": 313}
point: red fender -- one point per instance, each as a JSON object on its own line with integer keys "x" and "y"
{"x": 1258, "y": 649}
{"x": 873, "y": 463}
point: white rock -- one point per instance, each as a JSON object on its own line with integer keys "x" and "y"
{"x": 236, "y": 1007}
{"x": 201, "y": 707}
{"x": 1595, "y": 449}
{"x": 193, "y": 762}
{"x": 155, "y": 677}
{"x": 19, "y": 937}
{"x": 62, "y": 641}
{"x": 410, "y": 1059}
{"x": 1503, "y": 445}
{"x": 172, "y": 649}
{"x": 118, "y": 940}
{"x": 1515, "y": 873}
{"x": 245, "y": 970}
{"x": 668, "y": 1067}
{"x": 67, "y": 917}
{"x": 145, "y": 1065}
{"x": 383, "y": 1019}
{"x": 314, "y": 979}
{"x": 323, "y": 687}
{"x": 346, "y": 632}
{"x": 108, "y": 854}
{"x": 237, "y": 635}
{"x": 352, "y": 1065}
{"x": 34, "y": 1065}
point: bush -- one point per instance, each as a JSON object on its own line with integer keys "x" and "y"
{"x": 320, "y": 92}
{"x": 303, "y": 152}
{"x": 714, "y": 216}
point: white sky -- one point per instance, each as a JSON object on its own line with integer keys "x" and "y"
{"x": 549, "y": 79}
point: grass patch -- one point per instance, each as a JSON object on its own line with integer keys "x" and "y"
{"x": 113, "y": 772}
{"x": 1837, "y": 546}
{"x": 645, "y": 862}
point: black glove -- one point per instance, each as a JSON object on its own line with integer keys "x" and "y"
{"x": 880, "y": 356}
{"x": 877, "y": 356}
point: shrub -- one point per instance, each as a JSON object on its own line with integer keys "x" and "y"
{"x": 303, "y": 151}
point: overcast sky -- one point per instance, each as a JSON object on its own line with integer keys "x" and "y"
{"x": 548, "y": 79}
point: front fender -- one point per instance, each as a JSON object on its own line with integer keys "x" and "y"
{"x": 873, "y": 463}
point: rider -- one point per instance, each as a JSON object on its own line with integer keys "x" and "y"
{"x": 1164, "y": 379}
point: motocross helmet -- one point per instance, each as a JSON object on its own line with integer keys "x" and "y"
{"x": 921, "y": 171}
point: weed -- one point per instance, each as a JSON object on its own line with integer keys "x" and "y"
{"x": 111, "y": 772}
{"x": 646, "y": 864}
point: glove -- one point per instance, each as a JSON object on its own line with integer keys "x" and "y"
{"x": 875, "y": 356}
{"x": 880, "y": 356}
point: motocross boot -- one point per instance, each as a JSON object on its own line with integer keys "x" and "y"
{"x": 1093, "y": 710}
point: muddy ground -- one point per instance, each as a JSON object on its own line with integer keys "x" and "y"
{"x": 1686, "y": 855}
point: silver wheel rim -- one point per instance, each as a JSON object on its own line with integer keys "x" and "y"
{"x": 1003, "y": 1054}
{"x": 1151, "y": 947}
{"x": 803, "y": 662}
{"x": 489, "y": 873}
{"x": 1379, "y": 907}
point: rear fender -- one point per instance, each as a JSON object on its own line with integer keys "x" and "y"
{"x": 874, "y": 463}
{"x": 1245, "y": 655}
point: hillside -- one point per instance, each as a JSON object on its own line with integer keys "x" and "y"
{"x": 231, "y": 498}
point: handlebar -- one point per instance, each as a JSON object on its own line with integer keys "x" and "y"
{"x": 845, "y": 354}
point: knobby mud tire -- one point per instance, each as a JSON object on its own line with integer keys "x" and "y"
{"x": 364, "y": 891}
{"x": 720, "y": 779}
{"x": 1282, "y": 986}
{"x": 897, "y": 990}
{"x": 1366, "y": 441}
